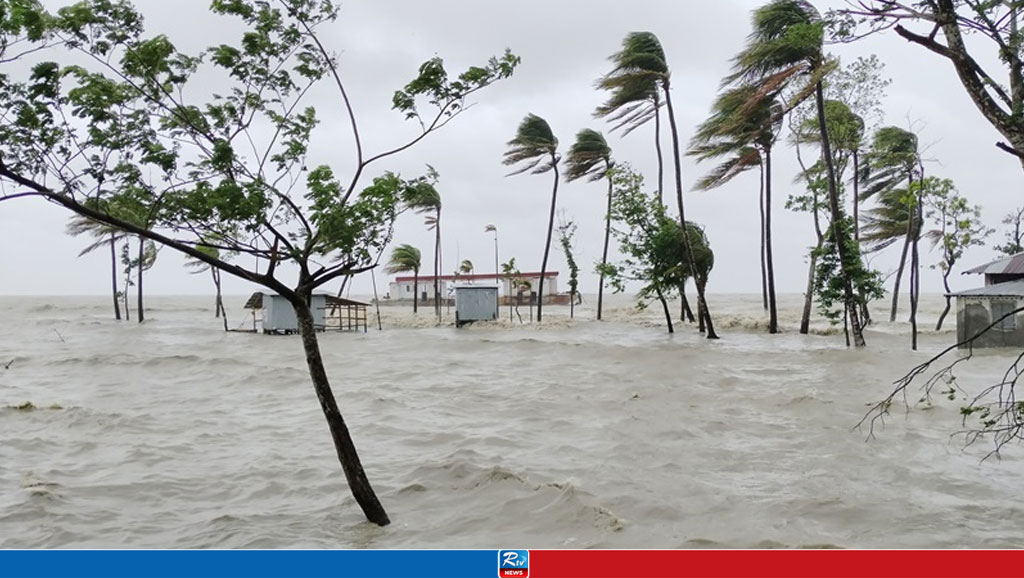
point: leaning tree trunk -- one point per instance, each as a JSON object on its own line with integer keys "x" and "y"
{"x": 221, "y": 312}
{"x": 113, "y": 275}
{"x": 805, "y": 318}
{"x": 686, "y": 313}
{"x": 764, "y": 270}
{"x": 773, "y": 312}
{"x": 138, "y": 292}
{"x": 899, "y": 278}
{"x": 547, "y": 242}
{"x": 657, "y": 149}
{"x": 437, "y": 265}
{"x": 346, "y": 449}
{"x": 668, "y": 314}
{"x": 702, "y": 306}
{"x": 945, "y": 283}
{"x": 604, "y": 253}
{"x": 837, "y": 218}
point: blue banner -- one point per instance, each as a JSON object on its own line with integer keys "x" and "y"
{"x": 249, "y": 563}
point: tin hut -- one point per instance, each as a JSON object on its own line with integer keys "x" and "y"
{"x": 1003, "y": 293}
{"x": 273, "y": 314}
{"x": 475, "y": 303}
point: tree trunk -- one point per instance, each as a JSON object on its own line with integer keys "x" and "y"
{"x": 764, "y": 270}
{"x": 899, "y": 278}
{"x": 437, "y": 265}
{"x": 686, "y": 313}
{"x": 837, "y": 218}
{"x": 915, "y": 264}
{"x": 113, "y": 275}
{"x": 415, "y": 291}
{"x": 604, "y": 253}
{"x": 657, "y": 149}
{"x": 805, "y": 318}
{"x": 945, "y": 283}
{"x": 856, "y": 197}
{"x": 547, "y": 241}
{"x": 773, "y": 312}
{"x": 221, "y": 312}
{"x": 346, "y": 449}
{"x": 668, "y": 314}
{"x": 702, "y": 308}
{"x": 138, "y": 292}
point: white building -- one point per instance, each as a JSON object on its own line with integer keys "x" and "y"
{"x": 402, "y": 287}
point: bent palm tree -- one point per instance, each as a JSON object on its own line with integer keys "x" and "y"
{"x": 405, "y": 259}
{"x": 635, "y": 99}
{"x": 105, "y": 235}
{"x": 535, "y": 149}
{"x": 424, "y": 198}
{"x": 590, "y": 157}
{"x": 787, "y": 43}
{"x": 745, "y": 136}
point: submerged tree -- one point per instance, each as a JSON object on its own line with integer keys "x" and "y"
{"x": 112, "y": 114}
{"x": 590, "y": 157}
{"x": 958, "y": 228}
{"x": 197, "y": 267}
{"x": 535, "y": 149}
{"x": 786, "y": 49}
{"x": 651, "y": 244}
{"x": 105, "y": 236}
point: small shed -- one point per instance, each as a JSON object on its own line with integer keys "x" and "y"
{"x": 277, "y": 315}
{"x": 475, "y": 303}
{"x": 346, "y": 314}
{"x": 977, "y": 309}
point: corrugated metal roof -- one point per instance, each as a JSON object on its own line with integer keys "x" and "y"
{"x": 1008, "y": 289}
{"x": 256, "y": 301}
{"x": 1012, "y": 265}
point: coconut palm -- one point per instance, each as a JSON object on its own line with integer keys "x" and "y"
{"x": 635, "y": 98}
{"x": 422, "y": 197}
{"x": 535, "y": 150}
{"x": 590, "y": 157}
{"x": 405, "y": 259}
{"x": 639, "y": 66}
{"x": 104, "y": 236}
{"x": 888, "y": 173}
{"x": 466, "y": 267}
{"x": 744, "y": 136}
{"x": 785, "y": 50}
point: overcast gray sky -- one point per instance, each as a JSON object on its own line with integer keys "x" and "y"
{"x": 564, "y": 47}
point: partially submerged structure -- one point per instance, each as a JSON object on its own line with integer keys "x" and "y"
{"x": 401, "y": 289}
{"x": 274, "y": 315}
{"x": 475, "y": 303}
{"x": 978, "y": 309}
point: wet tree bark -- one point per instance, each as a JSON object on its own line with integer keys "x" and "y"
{"x": 899, "y": 278}
{"x": 668, "y": 314}
{"x": 138, "y": 291}
{"x": 604, "y": 253}
{"x": 343, "y": 444}
{"x": 805, "y": 318}
{"x": 684, "y": 304}
{"x": 764, "y": 270}
{"x": 773, "y": 311}
{"x": 547, "y": 242}
{"x": 945, "y": 284}
{"x": 657, "y": 148}
{"x": 113, "y": 275}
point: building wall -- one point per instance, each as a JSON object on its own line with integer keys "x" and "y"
{"x": 974, "y": 314}
{"x": 403, "y": 291}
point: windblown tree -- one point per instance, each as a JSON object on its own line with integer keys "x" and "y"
{"x": 105, "y": 237}
{"x": 958, "y": 228}
{"x": 1015, "y": 234}
{"x": 649, "y": 240}
{"x": 785, "y": 51}
{"x": 943, "y": 27}
{"x": 566, "y": 232}
{"x": 640, "y": 63}
{"x": 590, "y": 157}
{"x": 890, "y": 166}
{"x": 535, "y": 150}
{"x": 197, "y": 267}
{"x": 407, "y": 259}
{"x": 635, "y": 98}
{"x": 111, "y": 114}
{"x": 423, "y": 197}
{"x": 744, "y": 136}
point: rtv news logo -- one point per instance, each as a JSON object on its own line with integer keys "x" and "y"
{"x": 513, "y": 563}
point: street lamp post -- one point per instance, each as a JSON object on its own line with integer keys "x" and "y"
{"x": 497, "y": 272}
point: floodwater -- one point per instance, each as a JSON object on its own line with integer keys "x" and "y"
{"x": 576, "y": 434}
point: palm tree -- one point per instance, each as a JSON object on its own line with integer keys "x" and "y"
{"x": 635, "y": 99}
{"x": 422, "y": 197}
{"x": 745, "y": 136}
{"x": 535, "y": 149}
{"x": 198, "y": 266}
{"x": 888, "y": 173}
{"x": 104, "y": 235}
{"x": 406, "y": 258}
{"x": 641, "y": 65}
{"x": 466, "y": 267}
{"x": 590, "y": 157}
{"x": 787, "y": 43}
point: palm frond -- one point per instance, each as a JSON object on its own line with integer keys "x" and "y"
{"x": 589, "y": 156}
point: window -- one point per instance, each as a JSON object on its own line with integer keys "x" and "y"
{"x": 1001, "y": 308}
